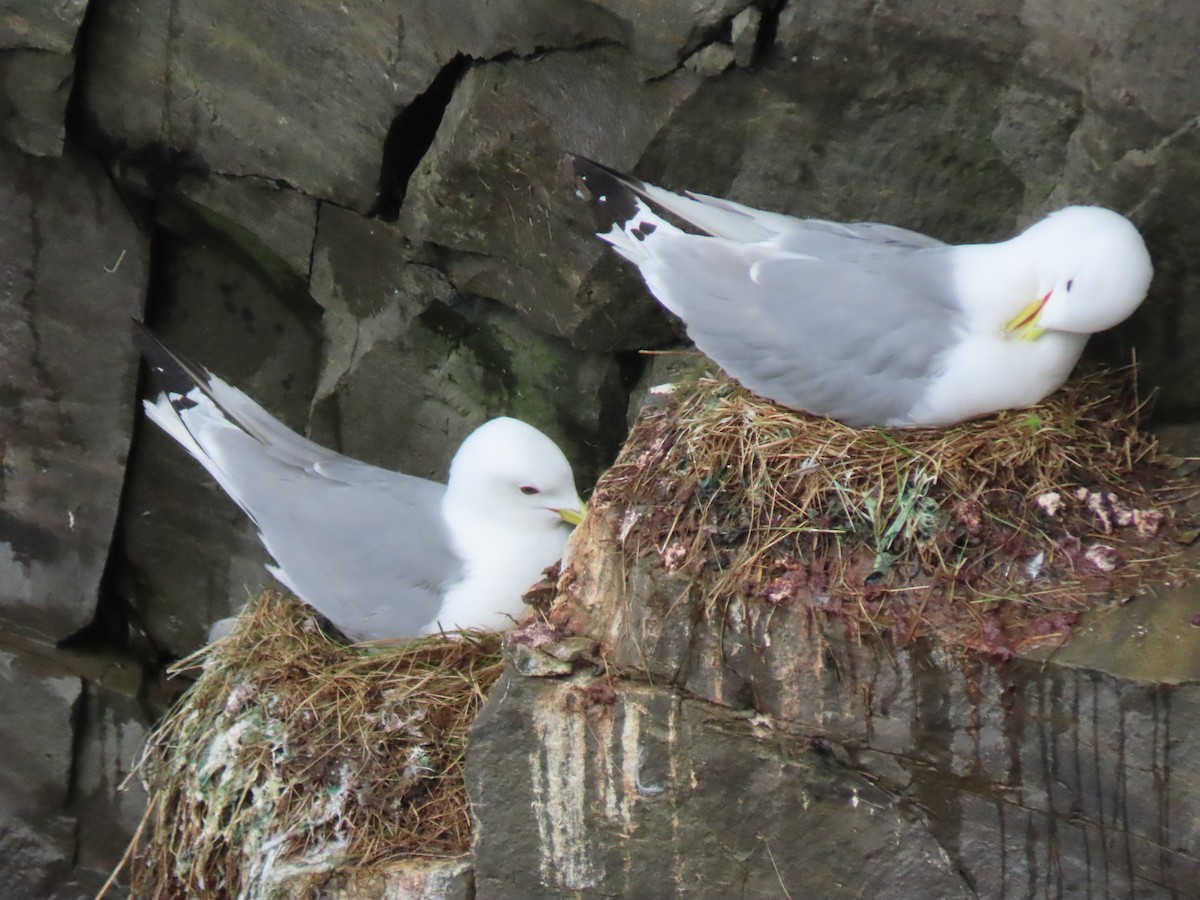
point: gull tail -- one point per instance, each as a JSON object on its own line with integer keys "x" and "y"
{"x": 197, "y": 398}
{"x": 193, "y": 407}
{"x": 186, "y": 384}
{"x": 622, "y": 196}
{"x": 237, "y": 441}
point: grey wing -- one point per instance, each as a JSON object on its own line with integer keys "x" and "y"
{"x": 855, "y": 240}
{"x": 198, "y": 397}
{"x": 815, "y": 237}
{"x": 739, "y": 223}
{"x": 365, "y": 546}
{"x": 855, "y": 339}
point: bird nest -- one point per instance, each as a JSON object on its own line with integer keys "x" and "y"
{"x": 291, "y": 751}
{"x": 991, "y": 534}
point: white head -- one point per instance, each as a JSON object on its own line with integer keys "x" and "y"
{"x": 509, "y": 507}
{"x": 509, "y": 479}
{"x": 1093, "y": 269}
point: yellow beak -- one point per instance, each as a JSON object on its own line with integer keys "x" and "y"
{"x": 572, "y": 516}
{"x": 1024, "y": 324}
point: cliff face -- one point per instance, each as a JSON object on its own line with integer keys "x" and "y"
{"x": 762, "y": 719}
{"x": 752, "y": 751}
{"x": 363, "y": 214}
{"x": 1061, "y": 783}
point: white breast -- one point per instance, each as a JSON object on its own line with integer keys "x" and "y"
{"x": 499, "y": 569}
{"x": 987, "y": 369}
{"x": 988, "y": 372}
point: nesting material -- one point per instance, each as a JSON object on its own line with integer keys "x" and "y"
{"x": 990, "y": 534}
{"x": 294, "y": 752}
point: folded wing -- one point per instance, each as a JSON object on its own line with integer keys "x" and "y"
{"x": 365, "y": 546}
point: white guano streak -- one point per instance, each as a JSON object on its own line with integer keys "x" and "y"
{"x": 558, "y": 765}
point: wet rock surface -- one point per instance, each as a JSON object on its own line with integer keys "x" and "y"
{"x": 364, "y": 215}
{"x": 1062, "y": 773}
{"x": 36, "y": 711}
{"x": 107, "y": 800}
{"x": 635, "y": 790}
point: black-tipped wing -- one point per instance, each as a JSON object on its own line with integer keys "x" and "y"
{"x": 366, "y": 546}
{"x": 851, "y": 321}
{"x": 856, "y": 340}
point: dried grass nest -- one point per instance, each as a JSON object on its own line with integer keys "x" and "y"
{"x": 989, "y": 534}
{"x": 291, "y": 749}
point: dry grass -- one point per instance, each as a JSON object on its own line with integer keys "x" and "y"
{"x": 907, "y": 531}
{"x": 292, "y": 747}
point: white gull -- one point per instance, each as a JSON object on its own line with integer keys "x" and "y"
{"x": 874, "y": 324}
{"x": 379, "y": 553}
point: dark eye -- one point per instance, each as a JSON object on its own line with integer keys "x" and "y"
{"x": 1070, "y": 282}
{"x": 529, "y": 490}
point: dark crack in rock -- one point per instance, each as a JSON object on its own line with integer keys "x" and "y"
{"x": 496, "y": 195}
{"x": 37, "y": 66}
{"x": 190, "y": 554}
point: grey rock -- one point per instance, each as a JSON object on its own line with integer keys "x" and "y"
{"x": 190, "y": 555}
{"x": 271, "y": 226}
{"x": 497, "y": 199}
{"x": 441, "y": 31}
{"x": 37, "y": 837}
{"x": 1150, "y": 640}
{"x": 34, "y": 25}
{"x": 302, "y": 98}
{"x": 533, "y": 663}
{"x": 661, "y": 35}
{"x": 35, "y": 86}
{"x": 414, "y": 365}
{"x": 305, "y": 97}
{"x": 992, "y": 28}
{"x": 1066, "y": 749}
{"x": 372, "y": 294}
{"x": 108, "y": 803}
{"x": 36, "y": 72}
{"x": 636, "y": 791}
{"x": 37, "y": 62}
{"x": 743, "y": 34}
{"x": 573, "y": 649}
{"x": 711, "y": 59}
{"x": 74, "y": 272}
{"x": 1030, "y": 134}
{"x": 552, "y": 658}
